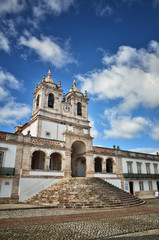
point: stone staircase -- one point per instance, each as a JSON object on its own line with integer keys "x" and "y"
{"x": 84, "y": 193}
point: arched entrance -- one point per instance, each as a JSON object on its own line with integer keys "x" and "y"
{"x": 78, "y": 160}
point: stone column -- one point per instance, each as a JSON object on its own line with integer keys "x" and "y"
{"x": 103, "y": 166}
{"x": 67, "y": 165}
{"x": 47, "y": 163}
{"x": 89, "y": 164}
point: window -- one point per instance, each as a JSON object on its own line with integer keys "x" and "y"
{"x": 155, "y": 168}
{"x": 1, "y": 158}
{"x": 79, "y": 109}
{"x": 37, "y": 101}
{"x": 141, "y": 186}
{"x": 47, "y": 134}
{"x": 150, "y": 185}
{"x": 138, "y": 167}
{"x": 129, "y": 166}
{"x": 148, "y": 168}
{"x": 51, "y": 100}
{"x": 2, "y": 155}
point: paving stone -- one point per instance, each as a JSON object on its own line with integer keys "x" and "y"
{"x": 111, "y": 225}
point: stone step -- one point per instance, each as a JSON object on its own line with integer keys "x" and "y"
{"x": 84, "y": 193}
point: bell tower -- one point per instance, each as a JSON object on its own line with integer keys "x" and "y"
{"x": 53, "y": 115}
{"x": 47, "y": 98}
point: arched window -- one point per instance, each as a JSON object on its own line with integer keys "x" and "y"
{"x": 51, "y": 100}
{"x": 109, "y": 165}
{"x": 98, "y": 164}
{"x": 79, "y": 109}
{"x": 37, "y": 101}
{"x": 55, "y": 161}
{"x": 38, "y": 159}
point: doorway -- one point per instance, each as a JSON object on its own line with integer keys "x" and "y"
{"x": 131, "y": 188}
{"x": 78, "y": 159}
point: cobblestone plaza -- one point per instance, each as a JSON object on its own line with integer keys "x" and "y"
{"x": 65, "y": 224}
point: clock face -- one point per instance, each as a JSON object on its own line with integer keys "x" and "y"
{"x": 66, "y": 108}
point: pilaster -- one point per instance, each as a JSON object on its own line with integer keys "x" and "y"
{"x": 18, "y": 162}
{"x": 47, "y": 163}
{"x": 89, "y": 164}
{"x": 104, "y": 166}
{"x": 67, "y": 166}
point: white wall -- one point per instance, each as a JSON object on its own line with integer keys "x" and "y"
{"x": 134, "y": 165}
{"x": 49, "y": 127}
{"x": 115, "y": 182}
{"x": 106, "y": 175}
{"x": 31, "y": 186}
{"x": 55, "y": 129}
{"x": 42, "y": 173}
{"x": 32, "y": 128}
{"x": 5, "y": 187}
{"x": 9, "y": 155}
{"x": 136, "y": 185}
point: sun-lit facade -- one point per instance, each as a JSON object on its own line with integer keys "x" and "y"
{"x": 56, "y": 144}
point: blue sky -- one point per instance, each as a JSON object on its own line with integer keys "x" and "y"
{"x": 111, "y": 48}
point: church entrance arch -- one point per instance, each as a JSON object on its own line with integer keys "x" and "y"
{"x": 78, "y": 159}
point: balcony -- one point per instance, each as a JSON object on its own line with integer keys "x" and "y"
{"x": 5, "y": 171}
{"x": 141, "y": 176}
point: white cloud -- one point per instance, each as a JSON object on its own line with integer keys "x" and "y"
{"x": 103, "y": 10}
{"x": 48, "y": 50}
{"x": 4, "y": 43}
{"x": 9, "y": 27}
{"x": 52, "y": 6}
{"x": 155, "y": 3}
{"x": 130, "y": 75}
{"x": 13, "y": 112}
{"x": 123, "y": 126}
{"x": 11, "y": 6}
{"x": 131, "y": 78}
{"x": 155, "y": 132}
{"x": 7, "y": 80}
{"x": 94, "y": 133}
{"x": 146, "y": 150}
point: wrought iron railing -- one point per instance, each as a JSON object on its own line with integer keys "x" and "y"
{"x": 141, "y": 176}
{"x": 6, "y": 171}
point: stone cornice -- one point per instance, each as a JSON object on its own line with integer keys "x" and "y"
{"x": 62, "y": 121}
{"x": 77, "y": 135}
{"x": 125, "y": 154}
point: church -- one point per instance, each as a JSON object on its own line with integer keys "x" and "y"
{"x": 57, "y": 144}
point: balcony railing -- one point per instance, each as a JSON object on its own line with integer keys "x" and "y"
{"x": 5, "y": 171}
{"x": 141, "y": 176}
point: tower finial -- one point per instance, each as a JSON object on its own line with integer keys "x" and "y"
{"x": 49, "y": 73}
{"x": 74, "y": 82}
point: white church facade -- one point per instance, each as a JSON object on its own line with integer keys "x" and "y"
{"x": 57, "y": 144}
